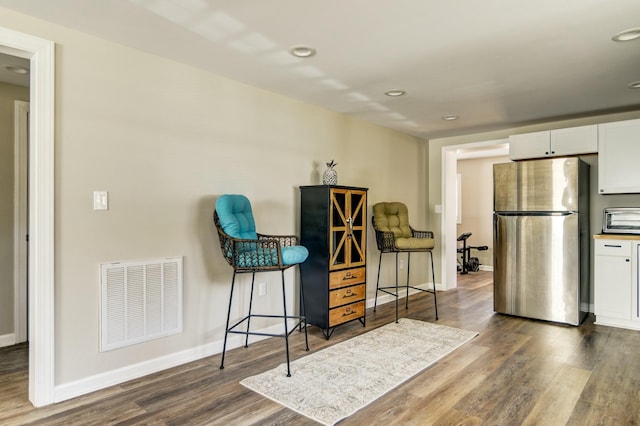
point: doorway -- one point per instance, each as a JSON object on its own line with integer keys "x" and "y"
{"x": 40, "y": 53}
{"x": 450, "y": 156}
{"x": 21, "y": 221}
{"x": 13, "y": 138}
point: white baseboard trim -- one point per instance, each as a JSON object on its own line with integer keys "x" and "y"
{"x": 486, "y": 268}
{"x": 114, "y": 377}
{"x": 7, "y": 340}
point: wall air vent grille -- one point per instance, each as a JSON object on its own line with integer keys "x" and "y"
{"x": 139, "y": 301}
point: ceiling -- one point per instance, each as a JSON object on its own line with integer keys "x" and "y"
{"x": 8, "y": 63}
{"x": 493, "y": 63}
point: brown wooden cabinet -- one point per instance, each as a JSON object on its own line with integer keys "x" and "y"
{"x": 333, "y": 226}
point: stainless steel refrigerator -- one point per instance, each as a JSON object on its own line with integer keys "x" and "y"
{"x": 541, "y": 239}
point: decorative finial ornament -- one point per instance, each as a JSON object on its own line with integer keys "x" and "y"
{"x": 330, "y": 176}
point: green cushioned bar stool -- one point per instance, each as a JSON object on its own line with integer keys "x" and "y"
{"x": 250, "y": 252}
{"x": 395, "y": 235}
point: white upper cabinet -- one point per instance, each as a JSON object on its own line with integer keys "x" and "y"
{"x": 554, "y": 143}
{"x": 529, "y": 145}
{"x": 619, "y": 157}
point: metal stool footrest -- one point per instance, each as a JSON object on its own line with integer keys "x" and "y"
{"x": 300, "y": 321}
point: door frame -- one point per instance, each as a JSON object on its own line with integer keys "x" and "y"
{"x": 20, "y": 220}
{"x": 450, "y": 155}
{"x": 41, "y": 54}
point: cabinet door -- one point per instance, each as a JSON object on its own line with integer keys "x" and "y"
{"x": 358, "y": 232}
{"x": 529, "y": 145}
{"x": 618, "y": 153}
{"x": 574, "y": 140}
{"x": 613, "y": 280}
{"x": 347, "y": 231}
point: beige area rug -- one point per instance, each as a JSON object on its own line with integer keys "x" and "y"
{"x": 330, "y": 385}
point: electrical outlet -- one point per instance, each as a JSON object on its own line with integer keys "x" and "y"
{"x": 401, "y": 263}
{"x": 100, "y": 200}
{"x": 262, "y": 288}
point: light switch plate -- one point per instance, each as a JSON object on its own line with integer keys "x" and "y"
{"x": 100, "y": 200}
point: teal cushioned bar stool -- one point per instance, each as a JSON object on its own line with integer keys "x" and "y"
{"x": 395, "y": 235}
{"x": 249, "y": 252}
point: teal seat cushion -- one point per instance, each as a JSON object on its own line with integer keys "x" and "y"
{"x": 236, "y": 217}
{"x": 236, "y": 220}
{"x": 294, "y": 254}
{"x": 251, "y": 255}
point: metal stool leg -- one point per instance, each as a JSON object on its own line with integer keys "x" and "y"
{"x": 226, "y": 329}
{"x": 406, "y": 302}
{"x": 286, "y": 329}
{"x": 396, "y": 286}
{"x": 375, "y": 303}
{"x": 246, "y": 339}
{"x": 303, "y": 311}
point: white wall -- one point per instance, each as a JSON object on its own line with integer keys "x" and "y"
{"x": 165, "y": 139}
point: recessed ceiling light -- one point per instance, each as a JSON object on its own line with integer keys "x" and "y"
{"x": 627, "y": 35}
{"x": 301, "y": 51}
{"x": 16, "y": 69}
{"x": 634, "y": 85}
{"x": 450, "y": 117}
{"x": 395, "y": 92}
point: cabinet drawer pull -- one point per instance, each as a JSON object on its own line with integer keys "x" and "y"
{"x": 348, "y": 294}
{"x": 348, "y": 312}
{"x": 347, "y": 276}
{"x": 613, "y": 245}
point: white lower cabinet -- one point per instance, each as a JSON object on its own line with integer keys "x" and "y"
{"x": 616, "y": 282}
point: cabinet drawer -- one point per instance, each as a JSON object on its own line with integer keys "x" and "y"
{"x": 346, "y": 313}
{"x": 613, "y": 247}
{"x": 346, "y": 295}
{"x": 348, "y": 277}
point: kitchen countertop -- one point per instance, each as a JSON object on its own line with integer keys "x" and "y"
{"x": 616, "y": 237}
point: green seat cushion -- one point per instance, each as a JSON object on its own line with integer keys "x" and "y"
{"x": 415, "y": 243}
{"x": 392, "y": 217}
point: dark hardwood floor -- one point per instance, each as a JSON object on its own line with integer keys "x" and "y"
{"x": 517, "y": 371}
